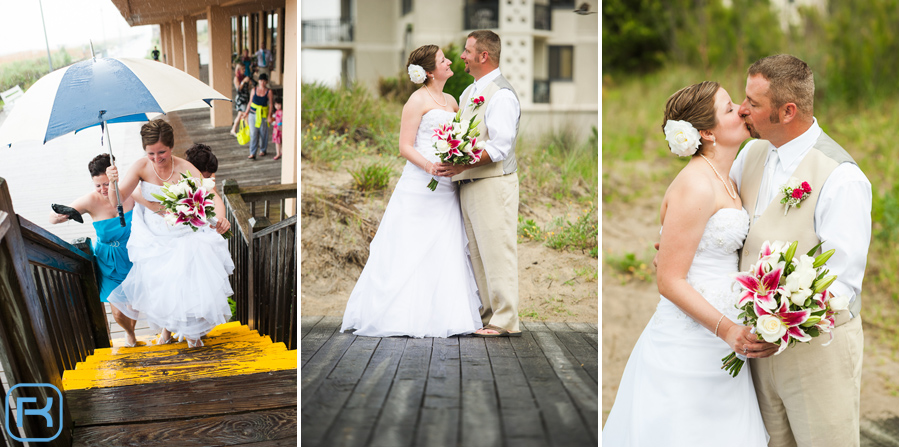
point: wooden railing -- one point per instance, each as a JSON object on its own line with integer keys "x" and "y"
{"x": 264, "y": 252}
{"x": 50, "y": 313}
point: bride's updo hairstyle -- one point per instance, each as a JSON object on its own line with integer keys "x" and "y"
{"x": 695, "y": 104}
{"x": 98, "y": 165}
{"x": 156, "y": 131}
{"x": 424, "y": 57}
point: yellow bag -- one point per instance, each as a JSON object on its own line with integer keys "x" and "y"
{"x": 243, "y": 133}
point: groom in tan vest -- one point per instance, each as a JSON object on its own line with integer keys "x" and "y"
{"x": 489, "y": 189}
{"x": 809, "y": 394}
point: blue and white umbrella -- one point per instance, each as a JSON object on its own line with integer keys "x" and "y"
{"x": 100, "y": 91}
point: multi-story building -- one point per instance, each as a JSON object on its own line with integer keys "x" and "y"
{"x": 549, "y": 51}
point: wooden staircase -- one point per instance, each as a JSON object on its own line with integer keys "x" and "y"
{"x": 238, "y": 389}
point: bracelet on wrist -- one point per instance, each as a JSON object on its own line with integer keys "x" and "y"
{"x": 716, "y": 332}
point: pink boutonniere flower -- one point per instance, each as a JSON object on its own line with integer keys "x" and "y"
{"x": 794, "y": 192}
{"x": 477, "y": 102}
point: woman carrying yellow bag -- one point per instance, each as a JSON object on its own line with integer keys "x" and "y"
{"x": 260, "y": 98}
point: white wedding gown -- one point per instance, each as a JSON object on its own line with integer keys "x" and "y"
{"x": 179, "y": 278}
{"x": 418, "y": 280}
{"x": 673, "y": 392}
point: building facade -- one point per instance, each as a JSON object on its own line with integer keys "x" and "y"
{"x": 550, "y": 53}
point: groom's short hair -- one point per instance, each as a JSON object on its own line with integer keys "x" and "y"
{"x": 487, "y": 40}
{"x": 790, "y": 80}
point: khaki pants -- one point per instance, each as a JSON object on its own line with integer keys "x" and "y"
{"x": 809, "y": 394}
{"x": 490, "y": 208}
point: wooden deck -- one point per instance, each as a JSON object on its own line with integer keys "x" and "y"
{"x": 238, "y": 389}
{"x": 536, "y": 390}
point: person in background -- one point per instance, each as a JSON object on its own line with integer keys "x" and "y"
{"x": 201, "y": 156}
{"x": 242, "y": 84}
{"x": 276, "y": 126}
{"x": 264, "y": 60}
{"x": 155, "y": 53}
{"x": 110, "y": 252}
{"x": 248, "y": 62}
{"x": 260, "y": 100}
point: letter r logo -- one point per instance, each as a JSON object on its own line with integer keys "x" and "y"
{"x": 28, "y": 406}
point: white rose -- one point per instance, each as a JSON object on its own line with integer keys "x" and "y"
{"x": 208, "y": 184}
{"x": 458, "y": 129}
{"x": 170, "y": 219}
{"x": 805, "y": 271}
{"x": 442, "y": 146}
{"x": 480, "y": 144}
{"x": 770, "y": 328}
{"x": 839, "y": 302}
{"x": 416, "y": 73}
{"x": 794, "y": 183}
{"x": 683, "y": 138}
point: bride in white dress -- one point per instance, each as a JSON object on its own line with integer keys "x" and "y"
{"x": 673, "y": 391}
{"x": 179, "y": 278}
{"x": 418, "y": 280}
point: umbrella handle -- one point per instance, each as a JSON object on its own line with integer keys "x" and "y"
{"x": 112, "y": 161}
{"x": 119, "y": 205}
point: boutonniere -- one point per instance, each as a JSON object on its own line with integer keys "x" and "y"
{"x": 476, "y": 102}
{"x": 794, "y": 192}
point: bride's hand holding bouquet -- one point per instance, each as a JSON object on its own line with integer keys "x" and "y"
{"x": 457, "y": 143}
{"x": 189, "y": 202}
{"x": 785, "y": 298}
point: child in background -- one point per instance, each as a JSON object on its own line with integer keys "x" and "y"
{"x": 276, "y": 127}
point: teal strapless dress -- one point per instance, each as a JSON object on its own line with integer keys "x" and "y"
{"x": 111, "y": 253}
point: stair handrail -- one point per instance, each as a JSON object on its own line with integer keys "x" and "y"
{"x": 264, "y": 255}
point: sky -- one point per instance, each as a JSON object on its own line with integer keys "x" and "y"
{"x": 69, "y": 23}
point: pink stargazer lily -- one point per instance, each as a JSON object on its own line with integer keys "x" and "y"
{"x": 791, "y": 319}
{"x": 198, "y": 202}
{"x": 760, "y": 287}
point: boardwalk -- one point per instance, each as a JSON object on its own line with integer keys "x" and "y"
{"x": 536, "y": 390}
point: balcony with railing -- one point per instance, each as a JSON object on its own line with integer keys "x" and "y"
{"x": 541, "y": 93}
{"x": 482, "y": 15}
{"x": 323, "y": 32}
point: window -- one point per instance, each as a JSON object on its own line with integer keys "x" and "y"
{"x": 406, "y": 7}
{"x": 562, "y": 3}
{"x": 561, "y": 60}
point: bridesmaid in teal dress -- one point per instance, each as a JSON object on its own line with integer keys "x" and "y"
{"x": 109, "y": 246}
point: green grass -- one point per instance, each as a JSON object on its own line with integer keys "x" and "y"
{"x": 580, "y": 234}
{"x": 628, "y": 266}
{"x": 372, "y": 177}
{"x": 559, "y": 164}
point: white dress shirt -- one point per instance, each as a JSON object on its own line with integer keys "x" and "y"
{"x": 501, "y": 116}
{"x": 843, "y": 215}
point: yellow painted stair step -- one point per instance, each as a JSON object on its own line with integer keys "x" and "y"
{"x": 167, "y": 349}
{"x": 229, "y": 351}
{"x": 92, "y": 378}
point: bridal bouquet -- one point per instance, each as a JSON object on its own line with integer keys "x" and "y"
{"x": 457, "y": 143}
{"x": 785, "y": 298}
{"x": 189, "y": 202}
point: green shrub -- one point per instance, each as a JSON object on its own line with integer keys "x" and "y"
{"x": 578, "y": 235}
{"x": 372, "y": 177}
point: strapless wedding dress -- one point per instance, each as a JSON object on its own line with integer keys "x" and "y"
{"x": 418, "y": 280}
{"x": 673, "y": 391}
{"x": 179, "y": 277}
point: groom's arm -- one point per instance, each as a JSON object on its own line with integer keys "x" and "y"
{"x": 501, "y": 119}
{"x": 843, "y": 221}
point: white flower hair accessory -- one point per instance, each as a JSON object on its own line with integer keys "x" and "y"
{"x": 416, "y": 73}
{"x": 683, "y": 138}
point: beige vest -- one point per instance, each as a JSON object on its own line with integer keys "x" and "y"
{"x": 799, "y": 223}
{"x": 498, "y": 168}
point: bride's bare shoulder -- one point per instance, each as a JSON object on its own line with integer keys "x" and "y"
{"x": 690, "y": 190}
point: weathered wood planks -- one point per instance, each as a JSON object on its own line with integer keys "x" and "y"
{"x": 536, "y": 390}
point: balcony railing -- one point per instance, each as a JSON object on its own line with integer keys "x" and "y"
{"x": 327, "y": 31}
{"x": 482, "y": 16}
{"x": 541, "y": 94}
{"x": 543, "y": 17}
